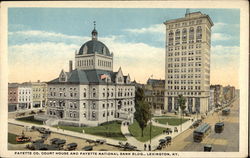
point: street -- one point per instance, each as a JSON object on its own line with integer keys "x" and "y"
{"x": 228, "y": 140}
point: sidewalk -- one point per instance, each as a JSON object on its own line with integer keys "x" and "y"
{"x": 130, "y": 139}
{"x": 154, "y": 141}
{"x": 66, "y": 132}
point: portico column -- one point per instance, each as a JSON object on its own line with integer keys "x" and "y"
{"x": 193, "y": 102}
{"x": 173, "y": 103}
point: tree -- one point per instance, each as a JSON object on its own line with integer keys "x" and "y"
{"x": 181, "y": 101}
{"x": 142, "y": 113}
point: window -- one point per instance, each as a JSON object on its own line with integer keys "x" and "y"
{"x": 199, "y": 34}
{"x": 93, "y": 115}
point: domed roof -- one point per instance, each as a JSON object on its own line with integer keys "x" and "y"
{"x": 94, "y": 46}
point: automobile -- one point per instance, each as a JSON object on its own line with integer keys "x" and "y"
{"x": 219, "y": 127}
{"x": 23, "y": 138}
{"x": 87, "y": 148}
{"x": 20, "y": 114}
{"x": 100, "y": 141}
{"x": 53, "y": 140}
{"x": 207, "y": 148}
{"x": 168, "y": 140}
{"x": 71, "y": 146}
{"x": 32, "y": 112}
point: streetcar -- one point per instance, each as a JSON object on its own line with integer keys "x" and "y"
{"x": 226, "y": 111}
{"x": 201, "y": 132}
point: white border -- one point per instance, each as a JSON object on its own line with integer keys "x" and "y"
{"x": 244, "y": 47}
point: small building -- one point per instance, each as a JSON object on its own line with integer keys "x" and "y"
{"x": 211, "y": 100}
{"x": 154, "y": 94}
{"x": 39, "y": 94}
{"x": 218, "y": 95}
{"x": 19, "y": 96}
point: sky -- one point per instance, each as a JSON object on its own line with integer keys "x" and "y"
{"x": 41, "y": 41}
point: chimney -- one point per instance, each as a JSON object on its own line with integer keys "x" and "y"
{"x": 70, "y": 65}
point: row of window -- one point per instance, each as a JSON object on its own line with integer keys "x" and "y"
{"x": 170, "y": 76}
{"x": 184, "y": 70}
{"x": 190, "y": 64}
{"x": 184, "y": 82}
{"x": 104, "y": 63}
{"x": 184, "y": 59}
{"x": 184, "y": 47}
{"x": 63, "y": 89}
{"x": 184, "y": 53}
{"x": 184, "y": 93}
{"x": 184, "y": 31}
{"x": 184, "y": 87}
{"x": 38, "y": 89}
{"x": 185, "y": 23}
{"x": 85, "y": 63}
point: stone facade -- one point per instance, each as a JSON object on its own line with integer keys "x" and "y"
{"x": 187, "y": 69}
{"x": 39, "y": 94}
{"x": 154, "y": 94}
{"x": 92, "y": 93}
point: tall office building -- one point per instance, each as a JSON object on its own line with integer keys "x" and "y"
{"x": 187, "y": 69}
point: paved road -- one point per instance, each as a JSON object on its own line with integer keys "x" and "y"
{"x": 228, "y": 140}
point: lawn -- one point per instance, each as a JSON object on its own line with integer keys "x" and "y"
{"x": 135, "y": 130}
{"x": 111, "y": 130}
{"x": 12, "y": 139}
{"x": 30, "y": 119}
{"x": 171, "y": 121}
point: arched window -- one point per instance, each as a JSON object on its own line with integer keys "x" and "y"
{"x": 199, "y": 34}
{"x": 177, "y": 32}
{"x": 191, "y": 35}
{"x": 104, "y": 50}
{"x": 85, "y": 49}
{"x": 191, "y": 30}
{"x": 171, "y": 38}
{"x": 184, "y": 36}
{"x": 199, "y": 29}
{"x": 184, "y": 31}
{"x": 171, "y": 33}
{"x": 177, "y": 36}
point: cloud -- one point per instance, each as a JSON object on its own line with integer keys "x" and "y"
{"x": 225, "y": 65}
{"x": 157, "y": 28}
{"x": 38, "y": 61}
{"x": 218, "y": 26}
{"x": 220, "y": 37}
{"x": 44, "y": 60}
{"x": 21, "y": 37}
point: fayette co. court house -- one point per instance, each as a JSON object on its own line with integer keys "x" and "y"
{"x": 91, "y": 93}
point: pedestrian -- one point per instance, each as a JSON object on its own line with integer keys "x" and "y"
{"x": 149, "y": 147}
{"x": 145, "y": 147}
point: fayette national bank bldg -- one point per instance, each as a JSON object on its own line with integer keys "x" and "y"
{"x": 187, "y": 69}
{"x": 92, "y": 93}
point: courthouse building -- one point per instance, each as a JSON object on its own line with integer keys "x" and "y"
{"x": 187, "y": 69}
{"x": 92, "y": 93}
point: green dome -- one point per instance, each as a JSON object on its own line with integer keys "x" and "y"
{"x": 94, "y": 46}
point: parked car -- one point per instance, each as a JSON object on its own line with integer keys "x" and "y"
{"x": 71, "y": 146}
{"x": 208, "y": 148}
{"x": 87, "y": 148}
